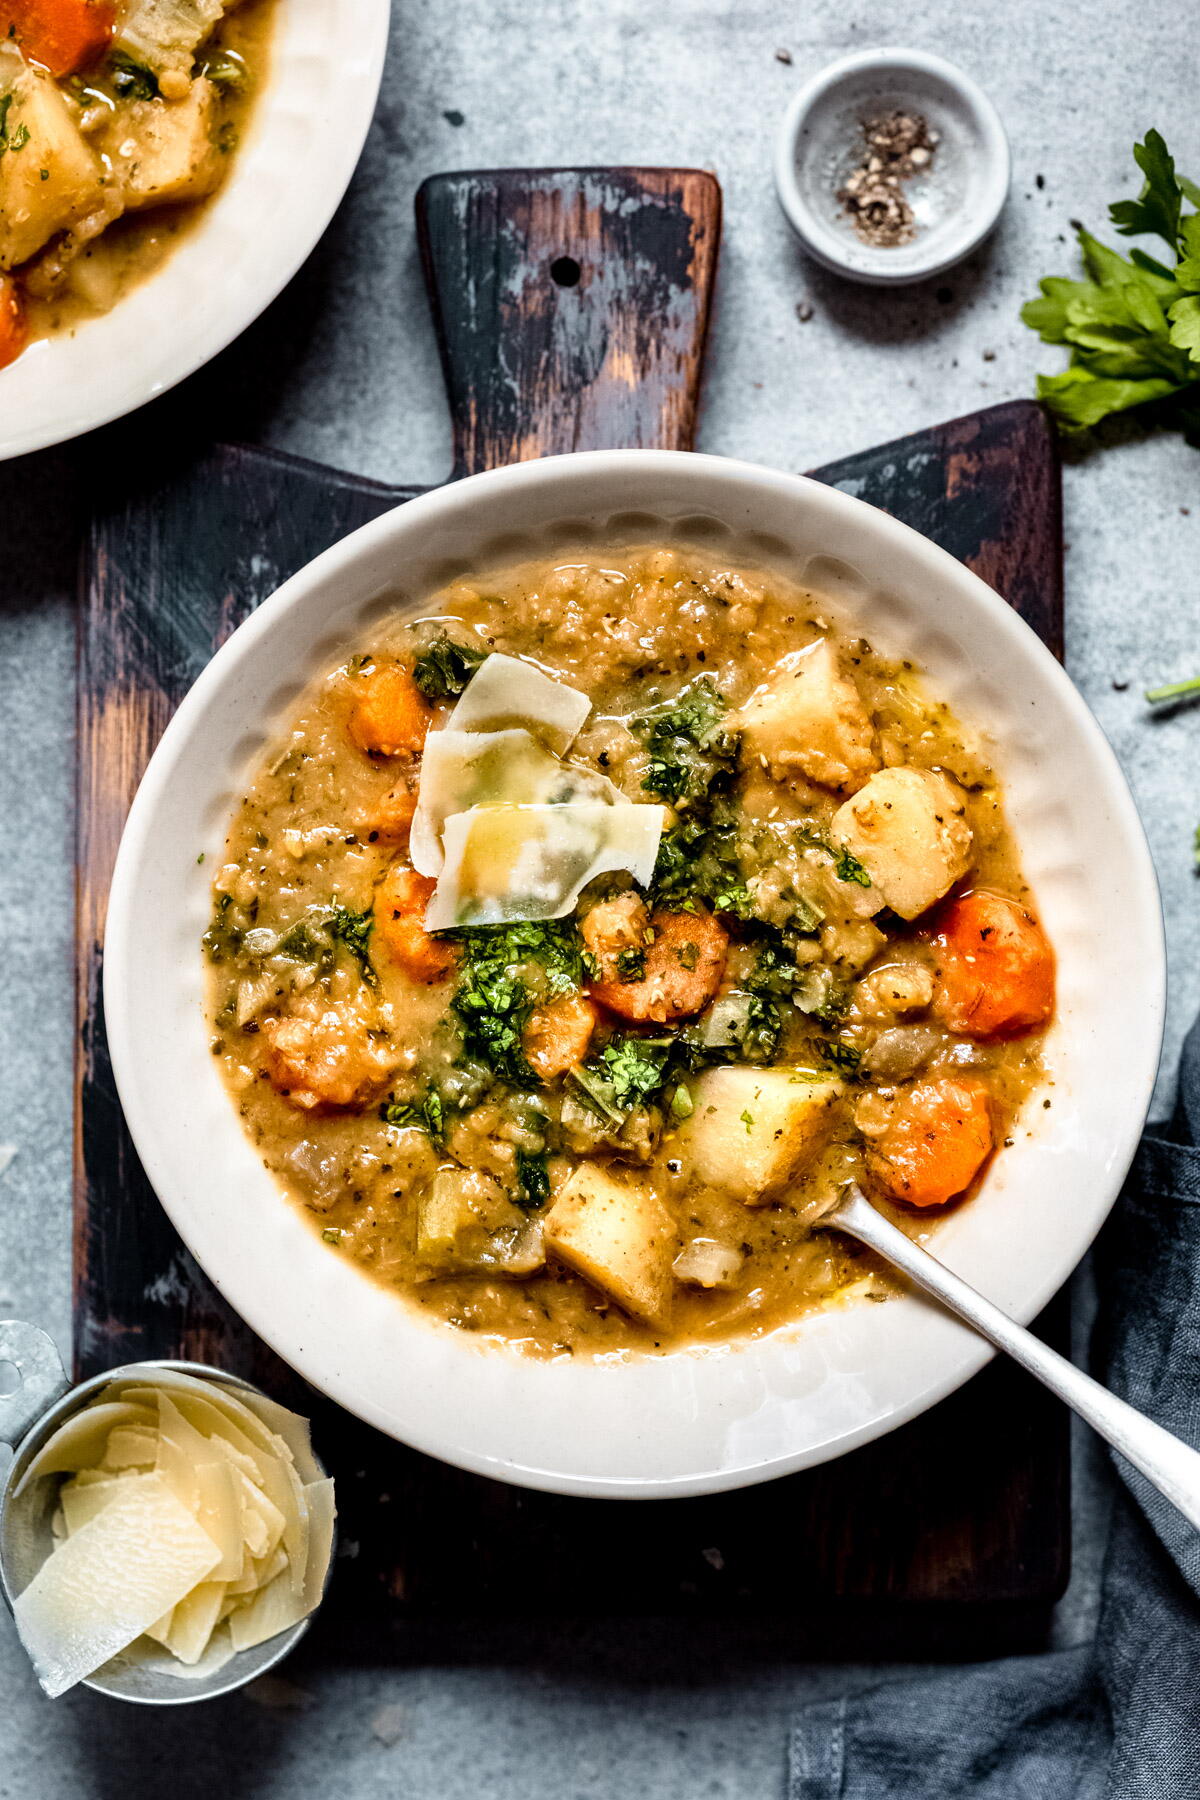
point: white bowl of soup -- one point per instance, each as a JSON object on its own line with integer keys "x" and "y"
{"x": 597, "y": 861}
{"x": 165, "y": 168}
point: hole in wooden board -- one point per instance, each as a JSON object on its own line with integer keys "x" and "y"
{"x": 565, "y": 271}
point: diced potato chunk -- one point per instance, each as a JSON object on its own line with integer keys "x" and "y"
{"x": 908, "y": 829}
{"x": 51, "y": 177}
{"x": 165, "y": 151}
{"x": 466, "y": 1222}
{"x": 619, "y": 1235}
{"x": 752, "y": 1130}
{"x": 808, "y": 716}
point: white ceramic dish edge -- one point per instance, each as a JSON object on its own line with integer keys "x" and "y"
{"x": 930, "y": 254}
{"x": 305, "y": 137}
{"x": 685, "y": 1423}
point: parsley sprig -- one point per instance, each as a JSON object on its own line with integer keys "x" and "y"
{"x": 1133, "y": 326}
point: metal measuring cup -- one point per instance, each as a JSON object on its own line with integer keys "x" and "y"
{"x": 42, "y": 1401}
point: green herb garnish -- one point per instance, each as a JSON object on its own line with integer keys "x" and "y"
{"x": 687, "y": 743}
{"x": 427, "y": 1115}
{"x": 353, "y": 929}
{"x": 534, "y": 1180}
{"x": 505, "y": 971}
{"x": 843, "y": 1057}
{"x": 132, "y": 80}
{"x": 443, "y": 669}
{"x": 11, "y": 140}
{"x": 1133, "y": 327}
{"x": 631, "y": 965}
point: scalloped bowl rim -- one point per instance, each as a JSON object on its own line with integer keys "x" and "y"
{"x": 305, "y": 135}
{"x": 690, "y": 1421}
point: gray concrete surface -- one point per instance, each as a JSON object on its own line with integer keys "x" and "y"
{"x": 343, "y": 369}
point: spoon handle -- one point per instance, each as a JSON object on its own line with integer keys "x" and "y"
{"x": 1171, "y": 1465}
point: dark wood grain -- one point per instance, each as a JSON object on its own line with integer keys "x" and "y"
{"x": 966, "y": 1505}
{"x": 571, "y": 306}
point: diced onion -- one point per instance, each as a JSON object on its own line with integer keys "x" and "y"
{"x": 707, "y": 1263}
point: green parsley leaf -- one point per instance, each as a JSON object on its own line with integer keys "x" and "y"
{"x": 1133, "y": 327}
{"x": 444, "y": 668}
{"x": 747, "y": 1119}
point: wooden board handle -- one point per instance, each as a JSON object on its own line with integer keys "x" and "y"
{"x": 571, "y": 306}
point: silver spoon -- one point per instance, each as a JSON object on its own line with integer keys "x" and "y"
{"x": 1171, "y": 1465}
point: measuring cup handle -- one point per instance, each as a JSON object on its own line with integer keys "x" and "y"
{"x": 43, "y": 1379}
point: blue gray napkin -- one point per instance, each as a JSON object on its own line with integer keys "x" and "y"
{"x": 1119, "y": 1718}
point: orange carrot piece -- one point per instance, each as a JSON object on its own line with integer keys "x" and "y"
{"x": 400, "y": 902}
{"x": 14, "y": 332}
{"x": 392, "y": 715}
{"x": 389, "y": 821}
{"x": 995, "y": 967}
{"x": 938, "y": 1139}
{"x": 558, "y": 1034}
{"x": 63, "y": 35}
{"x": 682, "y": 967}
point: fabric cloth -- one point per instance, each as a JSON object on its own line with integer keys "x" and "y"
{"x": 1119, "y": 1718}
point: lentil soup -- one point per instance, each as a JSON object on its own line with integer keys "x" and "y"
{"x": 581, "y": 937}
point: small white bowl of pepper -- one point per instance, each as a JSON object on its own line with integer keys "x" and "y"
{"x": 891, "y": 165}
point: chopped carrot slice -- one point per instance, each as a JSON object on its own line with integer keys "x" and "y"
{"x": 400, "y": 902}
{"x": 995, "y": 967}
{"x": 558, "y": 1034}
{"x": 392, "y": 715}
{"x": 13, "y": 329}
{"x": 671, "y": 973}
{"x": 63, "y": 35}
{"x": 389, "y": 821}
{"x": 937, "y": 1140}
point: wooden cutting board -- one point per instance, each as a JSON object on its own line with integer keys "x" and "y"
{"x": 572, "y": 308}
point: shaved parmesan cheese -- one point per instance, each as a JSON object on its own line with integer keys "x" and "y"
{"x": 80, "y": 1443}
{"x": 183, "y": 1462}
{"x": 505, "y": 863}
{"x": 131, "y": 1447}
{"x": 506, "y": 691}
{"x": 462, "y": 769}
{"x": 80, "y": 1503}
{"x": 194, "y": 1621}
{"x": 100, "y": 1589}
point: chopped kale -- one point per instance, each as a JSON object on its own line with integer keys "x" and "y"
{"x": 353, "y": 929}
{"x": 444, "y": 668}
{"x": 637, "y": 1067}
{"x": 700, "y": 860}
{"x": 132, "y": 80}
{"x": 534, "y": 1180}
{"x": 843, "y": 1057}
{"x": 688, "y": 746}
{"x": 427, "y": 1115}
{"x": 506, "y": 970}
